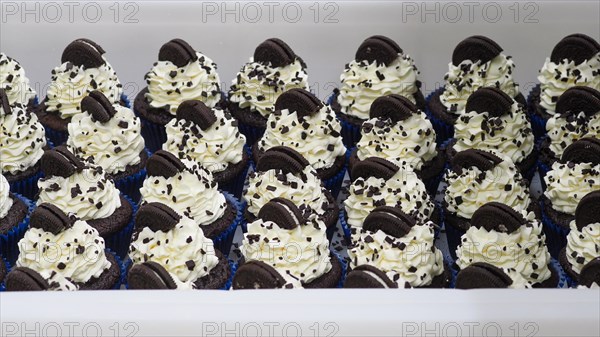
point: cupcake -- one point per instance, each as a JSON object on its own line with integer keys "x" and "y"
{"x": 567, "y": 182}
{"x": 211, "y": 138}
{"x": 283, "y": 249}
{"x": 15, "y": 84}
{"x": 89, "y": 193}
{"x": 379, "y": 68}
{"x": 83, "y": 69}
{"x": 4, "y": 267}
{"x": 61, "y": 252}
{"x": 191, "y": 191}
{"x": 477, "y": 61}
{"x": 273, "y": 70}
{"x": 301, "y": 122}
{"x": 170, "y": 251}
{"x": 394, "y": 250}
{"x": 284, "y": 173}
{"x": 14, "y": 212}
{"x": 581, "y": 257}
{"x": 401, "y": 133}
{"x": 505, "y": 248}
{"x": 494, "y": 121}
{"x": 475, "y": 178}
{"x": 181, "y": 74}
{"x": 575, "y": 61}
{"x": 22, "y": 143}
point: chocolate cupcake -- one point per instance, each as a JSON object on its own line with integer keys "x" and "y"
{"x": 401, "y": 133}
{"x": 211, "y": 138}
{"x": 79, "y": 260}
{"x": 379, "y": 68}
{"x": 15, "y": 84}
{"x": 270, "y": 263}
{"x": 190, "y": 190}
{"x": 108, "y": 135}
{"x": 181, "y": 74}
{"x": 477, "y": 61}
{"x": 83, "y": 69}
{"x": 305, "y": 124}
{"x": 170, "y": 251}
{"x": 494, "y": 121}
{"x": 574, "y": 61}
{"x": 284, "y": 173}
{"x": 273, "y": 70}
{"x": 14, "y": 219}
{"x": 22, "y": 143}
{"x": 505, "y": 248}
{"x": 401, "y": 248}
{"x": 89, "y": 193}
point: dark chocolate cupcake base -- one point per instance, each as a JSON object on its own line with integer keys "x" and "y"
{"x": 330, "y": 279}
{"x": 15, "y": 215}
{"x": 107, "y": 280}
{"x": 217, "y": 277}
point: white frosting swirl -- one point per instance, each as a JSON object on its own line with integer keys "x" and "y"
{"x": 22, "y": 139}
{"x": 582, "y": 245}
{"x": 317, "y": 138}
{"x": 566, "y": 184}
{"x": 6, "y": 201}
{"x": 363, "y": 82}
{"x": 169, "y": 85}
{"x": 215, "y": 148}
{"x": 257, "y": 86}
{"x": 464, "y": 79}
{"x": 14, "y": 82}
{"x": 88, "y": 194}
{"x": 114, "y": 145}
{"x": 555, "y": 79}
{"x": 564, "y": 131}
{"x": 522, "y": 254}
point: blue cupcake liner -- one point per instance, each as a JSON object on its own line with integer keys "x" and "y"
{"x": 27, "y": 187}
{"x": 453, "y": 236}
{"x": 570, "y": 282}
{"x": 443, "y": 131}
{"x": 224, "y": 240}
{"x": 236, "y": 186}
{"x": 131, "y": 184}
{"x": 119, "y": 282}
{"x": 9, "y": 242}
{"x": 154, "y": 134}
{"x": 543, "y": 169}
{"x": 7, "y": 265}
{"x": 344, "y": 265}
{"x": 334, "y": 184}
{"x": 119, "y": 242}
{"x": 538, "y": 123}
{"x": 126, "y": 100}
{"x": 344, "y": 223}
{"x": 556, "y": 235}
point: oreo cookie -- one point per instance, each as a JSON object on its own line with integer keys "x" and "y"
{"x": 482, "y": 275}
{"x": 4, "y": 102}
{"x": 60, "y": 162}
{"x": 275, "y": 52}
{"x": 300, "y": 101}
{"x": 576, "y": 48}
{"x": 282, "y": 158}
{"x": 390, "y": 220}
{"x": 163, "y": 164}
{"x": 25, "y": 279}
{"x": 283, "y": 212}
{"x": 50, "y": 218}
{"x": 374, "y": 167}
{"x": 366, "y": 276}
{"x": 257, "y": 275}
{"x": 579, "y": 99}
{"x": 197, "y": 112}
{"x": 98, "y": 106}
{"x": 588, "y": 210}
{"x": 590, "y": 273}
{"x": 150, "y": 275}
{"x": 481, "y": 159}
{"x": 378, "y": 48}
{"x": 84, "y": 53}
{"x": 491, "y": 100}
{"x": 498, "y": 217}
{"x": 157, "y": 217}
{"x": 178, "y": 52}
{"x": 584, "y": 150}
{"x": 475, "y": 48}
{"x": 395, "y": 107}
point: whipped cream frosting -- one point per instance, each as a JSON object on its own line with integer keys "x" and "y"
{"x": 14, "y": 82}
{"x": 183, "y": 251}
{"x": 472, "y": 188}
{"x": 76, "y": 254}
{"x": 257, "y": 86}
{"x": 522, "y": 254}
{"x": 114, "y": 145}
{"x": 192, "y": 193}
{"x": 88, "y": 194}
{"x": 565, "y": 130}
{"x": 556, "y": 78}
{"x": 583, "y": 245}
{"x": 464, "y": 79}
{"x": 22, "y": 139}
{"x": 404, "y": 190}
{"x": 304, "y": 190}
{"x": 71, "y": 83}
{"x": 363, "y": 82}
{"x": 300, "y": 255}
{"x": 317, "y": 138}
{"x": 6, "y": 201}
{"x": 567, "y": 183}
{"x": 215, "y": 148}
{"x": 412, "y": 258}
{"x": 509, "y": 134}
